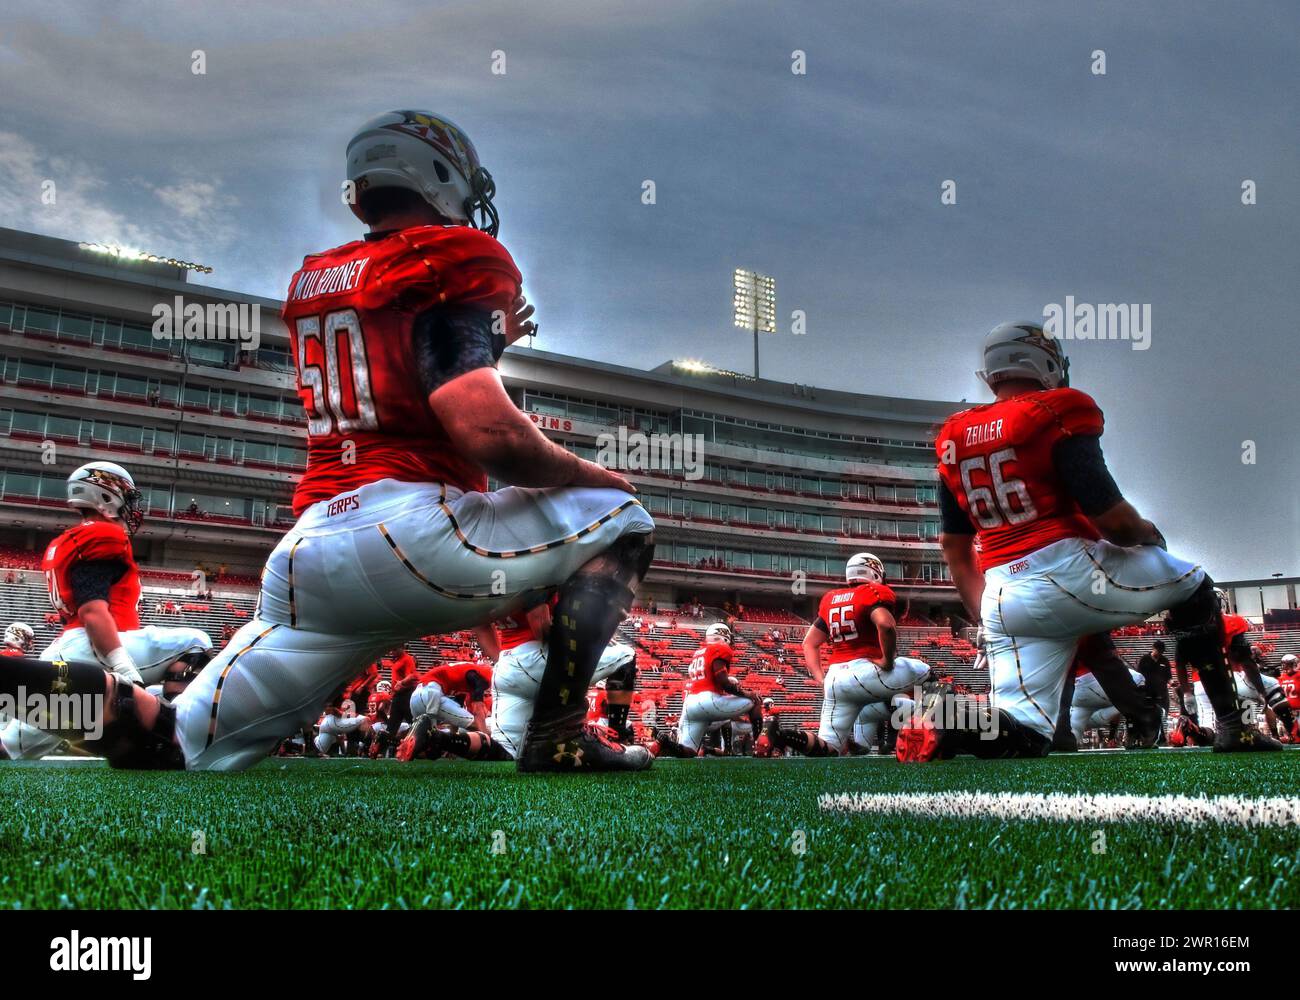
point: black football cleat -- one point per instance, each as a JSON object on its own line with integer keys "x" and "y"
{"x": 1144, "y": 731}
{"x": 590, "y": 749}
{"x": 419, "y": 740}
{"x": 1239, "y": 736}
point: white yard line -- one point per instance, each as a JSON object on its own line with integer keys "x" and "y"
{"x": 1228, "y": 810}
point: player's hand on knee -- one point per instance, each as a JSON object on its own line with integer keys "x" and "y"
{"x": 599, "y": 477}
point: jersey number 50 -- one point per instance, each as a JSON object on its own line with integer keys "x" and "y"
{"x": 327, "y": 412}
{"x": 991, "y": 505}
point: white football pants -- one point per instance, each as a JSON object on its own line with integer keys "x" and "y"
{"x": 152, "y": 648}
{"x": 854, "y": 684}
{"x": 1090, "y": 708}
{"x": 371, "y": 569}
{"x": 1036, "y": 609}
{"x": 704, "y": 708}
{"x": 515, "y": 679}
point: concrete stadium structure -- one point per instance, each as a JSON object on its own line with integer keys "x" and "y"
{"x": 762, "y": 489}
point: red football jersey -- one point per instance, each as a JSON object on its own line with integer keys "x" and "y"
{"x": 597, "y": 699}
{"x": 1233, "y": 626}
{"x": 515, "y": 630}
{"x": 92, "y": 541}
{"x": 378, "y": 703}
{"x": 451, "y": 676}
{"x": 401, "y": 667}
{"x": 1290, "y": 684}
{"x": 11, "y": 651}
{"x": 701, "y": 675}
{"x": 350, "y": 313}
{"x": 844, "y": 614}
{"x": 996, "y": 460}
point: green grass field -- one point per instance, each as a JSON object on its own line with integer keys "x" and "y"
{"x": 708, "y": 833}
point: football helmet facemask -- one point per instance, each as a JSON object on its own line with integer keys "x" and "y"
{"x": 1024, "y": 350}
{"x": 108, "y": 488}
{"x": 428, "y": 154}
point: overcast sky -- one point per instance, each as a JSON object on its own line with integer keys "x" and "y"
{"x": 1117, "y": 188}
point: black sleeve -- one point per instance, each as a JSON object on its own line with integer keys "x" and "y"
{"x": 954, "y": 520}
{"x": 91, "y": 579}
{"x": 1082, "y": 468}
{"x": 478, "y": 685}
{"x": 820, "y": 625}
{"x": 452, "y": 341}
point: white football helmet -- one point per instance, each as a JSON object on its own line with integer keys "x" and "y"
{"x": 718, "y": 632}
{"x": 428, "y": 154}
{"x": 864, "y": 568}
{"x": 1024, "y": 350}
{"x": 383, "y": 687}
{"x": 19, "y": 635}
{"x": 108, "y": 488}
{"x": 1289, "y": 662}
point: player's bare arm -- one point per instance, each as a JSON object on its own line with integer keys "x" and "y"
{"x": 1123, "y": 525}
{"x": 100, "y": 627}
{"x": 959, "y": 554}
{"x": 813, "y": 640}
{"x": 887, "y": 629}
{"x": 477, "y": 412}
{"x": 486, "y": 636}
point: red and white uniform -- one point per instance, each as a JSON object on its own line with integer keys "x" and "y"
{"x": 396, "y": 538}
{"x": 856, "y": 692}
{"x": 333, "y": 725}
{"x": 1290, "y": 684}
{"x": 1090, "y": 707}
{"x": 400, "y": 668}
{"x": 705, "y": 702}
{"x": 517, "y": 676}
{"x": 436, "y": 693}
{"x": 1049, "y": 580}
{"x": 152, "y": 648}
{"x": 597, "y": 706}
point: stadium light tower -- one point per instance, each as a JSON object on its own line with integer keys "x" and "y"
{"x": 754, "y": 304}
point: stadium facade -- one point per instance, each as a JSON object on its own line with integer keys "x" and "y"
{"x": 761, "y": 489}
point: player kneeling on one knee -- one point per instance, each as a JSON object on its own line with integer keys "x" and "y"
{"x": 711, "y": 695}
{"x": 1060, "y": 555}
{"x": 857, "y": 621}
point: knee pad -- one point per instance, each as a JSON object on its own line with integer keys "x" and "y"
{"x": 634, "y": 552}
{"x": 128, "y": 745}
